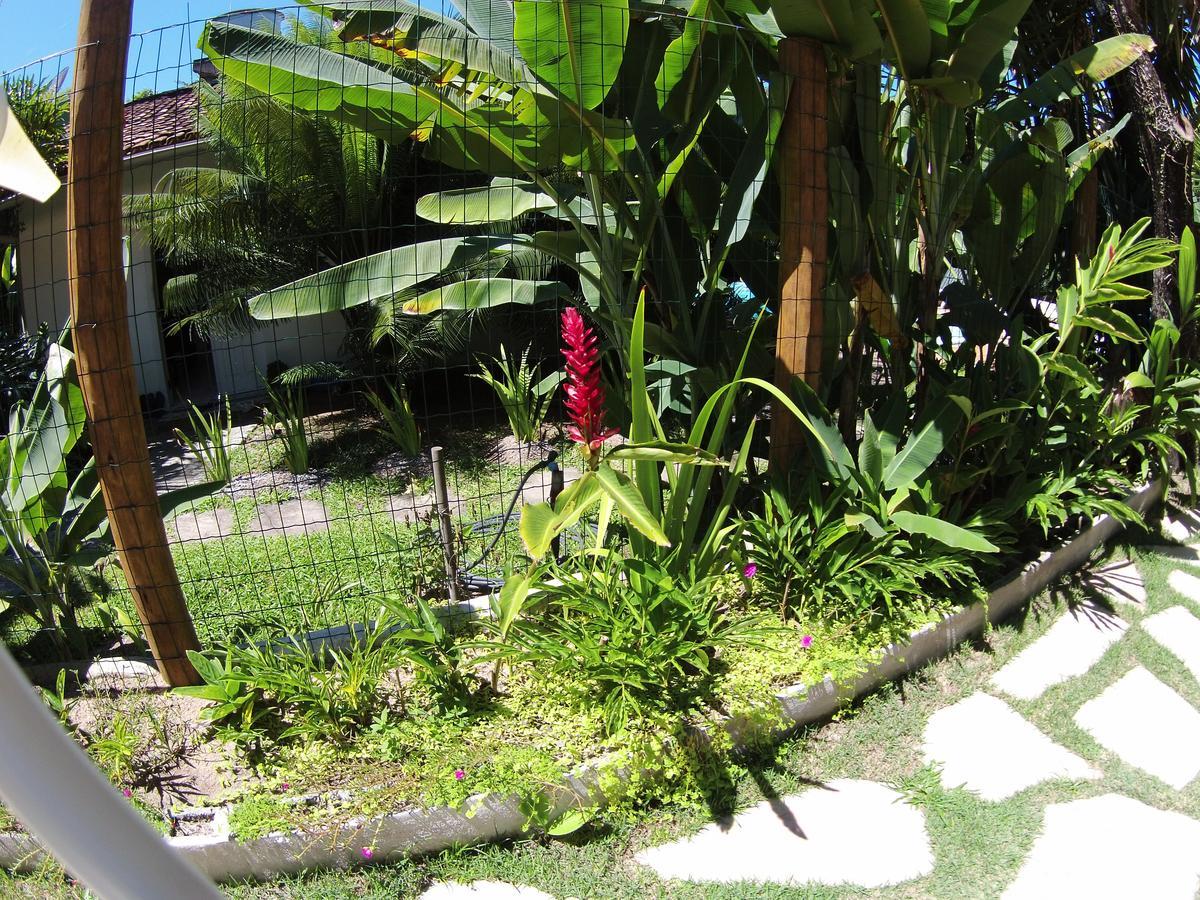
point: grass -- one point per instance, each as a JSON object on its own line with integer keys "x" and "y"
{"x": 978, "y": 845}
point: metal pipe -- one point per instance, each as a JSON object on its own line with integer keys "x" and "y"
{"x": 441, "y": 499}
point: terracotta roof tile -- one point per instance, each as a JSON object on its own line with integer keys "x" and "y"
{"x": 161, "y": 121}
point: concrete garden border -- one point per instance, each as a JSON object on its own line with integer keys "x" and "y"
{"x": 492, "y": 817}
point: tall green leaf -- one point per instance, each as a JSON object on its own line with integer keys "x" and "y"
{"x": 945, "y": 532}
{"x": 485, "y": 293}
{"x": 573, "y": 46}
{"x": 371, "y": 278}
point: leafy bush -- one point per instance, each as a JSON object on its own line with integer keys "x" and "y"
{"x": 53, "y": 523}
{"x": 399, "y": 424}
{"x": 635, "y": 638}
{"x": 523, "y": 397}
{"x": 284, "y": 413}
{"x": 210, "y": 440}
{"x": 812, "y": 561}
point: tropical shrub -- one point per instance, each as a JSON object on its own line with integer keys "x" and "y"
{"x": 284, "y": 414}
{"x": 53, "y": 523}
{"x": 210, "y": 440}
{"x": 636, "y": 639}
{"x": 399, "y": 423}
{"x": 524, "y": 398}
{"x": 813, "y": 561}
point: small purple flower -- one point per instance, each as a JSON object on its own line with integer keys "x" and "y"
{"x": 459, "y": 774}
{"x": 367, "y": 853}
{"x": 751, "y": 570}
{"x": 128, "y": 793}
{"x": 286, "y": 786}
{"x": 806, "y": 641}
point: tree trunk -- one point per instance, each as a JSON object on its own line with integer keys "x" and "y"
{"x": 1165, "y": 139}
{"x": 100, "y": 332}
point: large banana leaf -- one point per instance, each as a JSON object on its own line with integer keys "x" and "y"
{"x": 374, "y": 277}
{"x": 484, "y": 293}
{"x": 1071, "y": 77}
{"x": 573, "y": 46}
{"x": 991, "y": 26}
{"x": 909, "y": 35}
{"x": 501, "y": 201}
{"x": 485, "y": 137}
{"x": 698, "y": 64}
{"x": 846, "y": 25}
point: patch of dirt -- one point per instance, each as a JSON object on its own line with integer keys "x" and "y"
{"x": 275, "y": 482}
{"x": 158, "y": 742}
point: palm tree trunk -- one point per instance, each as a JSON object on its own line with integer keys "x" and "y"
{"x": 1165, "y": 139}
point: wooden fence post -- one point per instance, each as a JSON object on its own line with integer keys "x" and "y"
{"x": 99, "y": 328}
{"x": 804, "y": 218}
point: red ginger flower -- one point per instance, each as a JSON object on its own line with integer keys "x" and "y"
{"x": 585, "y": 395}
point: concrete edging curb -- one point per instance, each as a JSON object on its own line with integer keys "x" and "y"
{"x": 492, "y": 817}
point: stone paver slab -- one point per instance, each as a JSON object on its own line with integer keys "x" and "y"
{"x": 482, "y": 890}
{"x": 1070, "y": 647}
{"x": 537, "y": 488}
{"x": 844, "y": 832}
{"x": 1185, "y": 583}
{"x": 1148, "y": 725}
{"x": 1118, "y": 582}
{"x": 1111, "y": 848}
{"x": 211, "y": 524}
{"x": 981, "y": 744}
{"x": 292, "y": 517}
{"x": 409, "y": 508}
{"x": 1184, "y": 527}
{"x": 1179, "y": 631}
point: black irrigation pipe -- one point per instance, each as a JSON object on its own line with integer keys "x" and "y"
{"x": 556, "y": 486}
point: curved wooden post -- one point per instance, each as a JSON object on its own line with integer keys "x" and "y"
{"x": 804, "y": 218}
{"x": 100, "y": 330}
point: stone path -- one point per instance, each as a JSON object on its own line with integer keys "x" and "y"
{"x": 981, "y": 744}
{"x": 1106, "y": 845}
{"x": 842, "y": 832}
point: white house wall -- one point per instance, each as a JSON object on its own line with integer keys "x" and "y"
{"x": 310, "y": 339}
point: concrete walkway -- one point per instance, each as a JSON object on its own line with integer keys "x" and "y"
{"x": 1103, "y": 845}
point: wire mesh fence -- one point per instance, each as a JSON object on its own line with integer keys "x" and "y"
{"x": 349, "y": 235}
{"x": 349, "y": 240}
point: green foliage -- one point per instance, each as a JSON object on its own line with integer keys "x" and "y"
{"x": 43, "y": 109}
{"x": 399, "y": 423}
{"x": 210, "y": 440}
{"x": 638, "y": 640}
{"x": 814, "y": 559}
{"x": 284, "y": 412}
{"x": 523, "y": 397}
{"x": 52, "y": 519}
{"x": 434, "y": 652}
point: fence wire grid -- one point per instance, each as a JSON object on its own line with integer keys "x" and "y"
{"x": 350, "y": 239}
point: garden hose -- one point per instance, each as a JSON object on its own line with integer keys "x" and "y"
{"x": 551, "y": 463}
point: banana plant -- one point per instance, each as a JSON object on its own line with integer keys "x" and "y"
{"x": 631, "y": 107}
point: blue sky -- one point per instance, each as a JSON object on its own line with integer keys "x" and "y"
{"x": 160, "y": 53}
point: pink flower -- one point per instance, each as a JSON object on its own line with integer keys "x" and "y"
{"x": 751, "y": 570}
{"x": 459, "y": 774}
{"x": 367, "y": 853}
{"x": 128, "y": 793}
{"x": 806, "y": 641}
{"x": 285, "y": 786}
{"x": 585, "y": 395}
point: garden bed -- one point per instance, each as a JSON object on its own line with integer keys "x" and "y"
{"x": 225, "y": 850}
